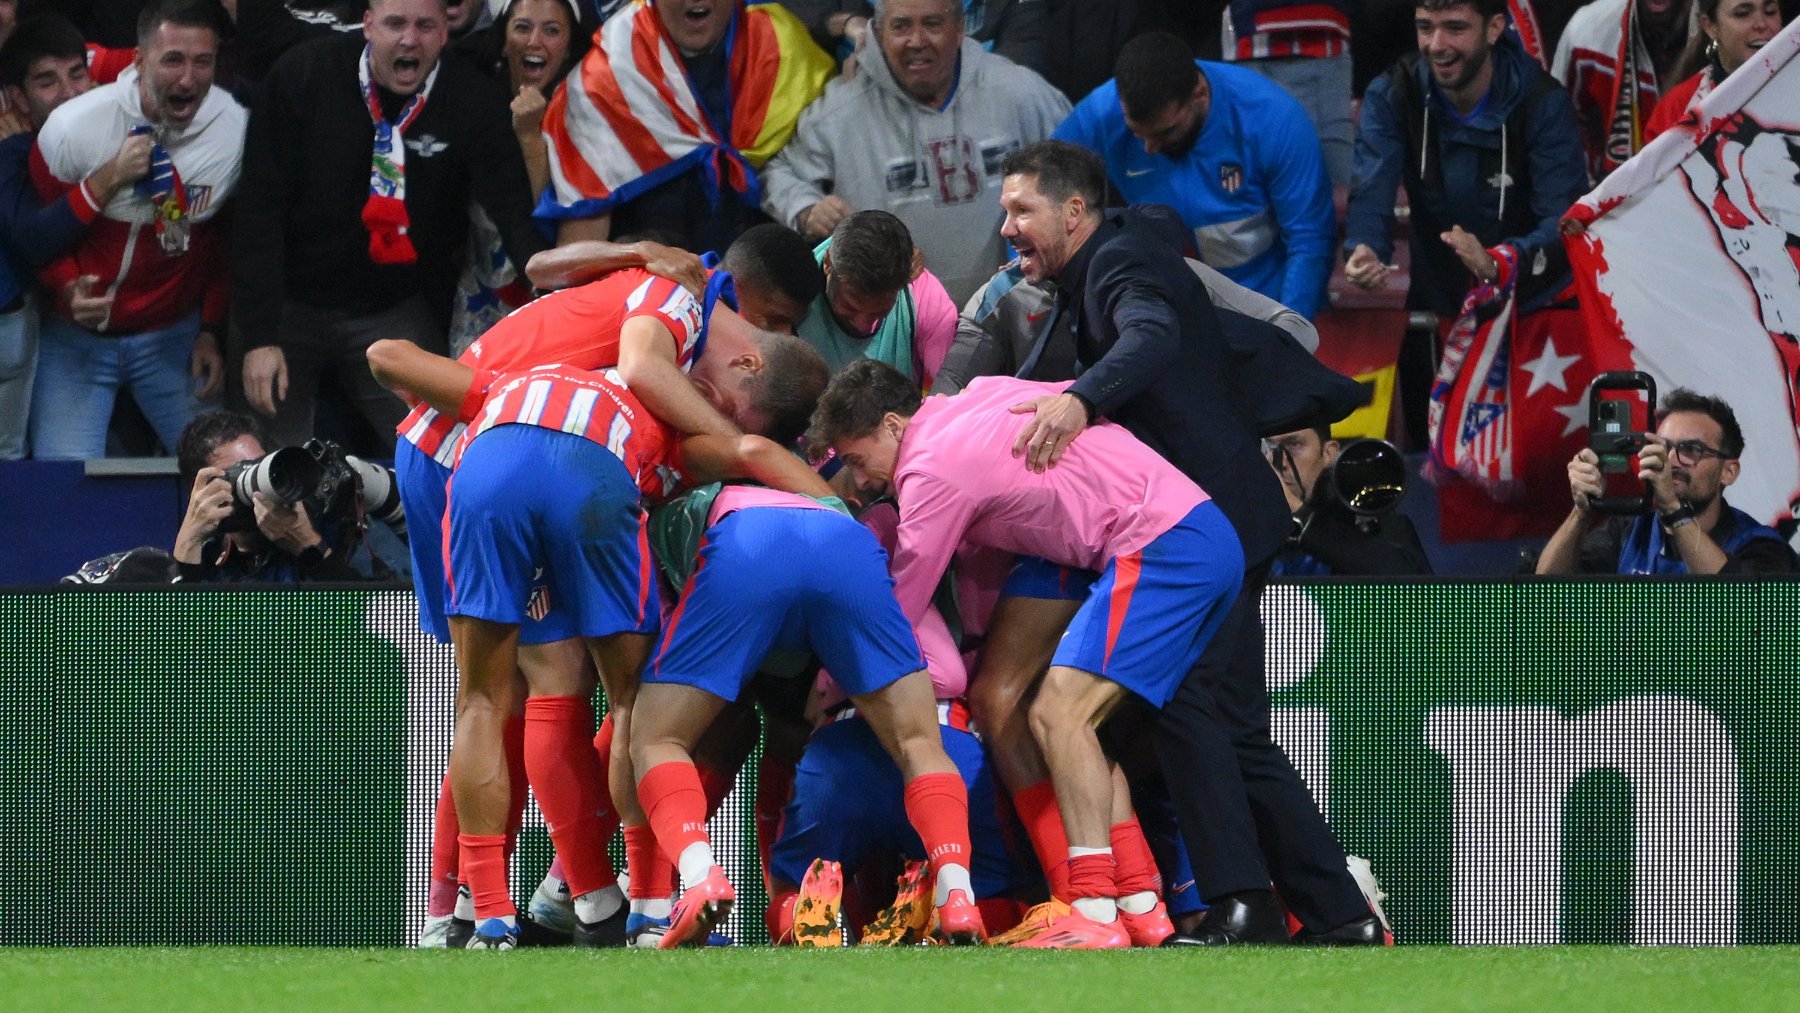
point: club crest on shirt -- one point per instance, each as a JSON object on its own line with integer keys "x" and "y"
{"x": 198, "y": 197}
{"x": 1231, "y": 176}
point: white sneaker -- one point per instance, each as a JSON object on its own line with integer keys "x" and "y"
{"x": 436, "y": 933}
{"x": 553, "y": 910}
{"x": 1364, "y": 874}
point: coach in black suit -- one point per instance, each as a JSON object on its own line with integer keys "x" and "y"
{"x": 1154, "y": 359}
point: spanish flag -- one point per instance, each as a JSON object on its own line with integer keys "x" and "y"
{"x": 627, "y": 119}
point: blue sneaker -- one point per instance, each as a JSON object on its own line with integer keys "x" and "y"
{"x": 645, "y": 932}
{"x": 494, "y": 934}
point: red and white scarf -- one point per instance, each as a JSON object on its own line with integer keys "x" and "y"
{"x": 384, "y": 214}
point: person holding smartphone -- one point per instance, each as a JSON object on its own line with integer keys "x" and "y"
{"x": 1686, "y": 464}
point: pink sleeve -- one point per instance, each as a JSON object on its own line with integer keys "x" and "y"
{"x": 934, "y": 329}
{"x": 943, "y": 659}
{"x": 933, "y": 517}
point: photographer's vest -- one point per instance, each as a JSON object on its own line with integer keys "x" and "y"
{"x": 1647, "y": 549}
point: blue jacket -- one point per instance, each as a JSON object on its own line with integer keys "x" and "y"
{"x": 33, "y": 233}
{"x": 1253, "y": 188}
{"x": 1507, "y": 174}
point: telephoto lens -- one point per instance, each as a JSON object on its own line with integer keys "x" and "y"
{"x": 380, "y": 493}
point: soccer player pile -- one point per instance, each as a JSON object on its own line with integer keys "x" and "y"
{"x": 612, "y": 472}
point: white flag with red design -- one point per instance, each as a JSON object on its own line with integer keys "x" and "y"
{"x": 1690, "y": 264}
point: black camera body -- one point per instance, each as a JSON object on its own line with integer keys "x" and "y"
{"x": 335, "y": 487}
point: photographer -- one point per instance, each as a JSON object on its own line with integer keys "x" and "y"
{"x": 1686, "y": 464}
{"x": 268, "y": 539}
{"x": 1329, "y": 536}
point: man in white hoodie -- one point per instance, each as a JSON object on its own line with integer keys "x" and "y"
{"x": 919, "y": 133}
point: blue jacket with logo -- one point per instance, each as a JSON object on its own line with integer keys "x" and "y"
{"x": 1253, "y": 188}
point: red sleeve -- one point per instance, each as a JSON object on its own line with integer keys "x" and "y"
{"x": 57, "y": 274}
{"x": 675, "y": 308}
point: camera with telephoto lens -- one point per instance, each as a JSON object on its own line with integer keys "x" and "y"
{"x": 1366, "y": 481}
{"x": 335, "y": 487}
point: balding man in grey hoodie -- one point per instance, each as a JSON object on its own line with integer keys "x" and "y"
{"x": 919, "y": 132}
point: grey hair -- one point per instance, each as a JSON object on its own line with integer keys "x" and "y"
{"x": 880, "y": 15}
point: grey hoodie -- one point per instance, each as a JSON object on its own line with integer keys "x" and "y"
{"x": 876, "y": 147}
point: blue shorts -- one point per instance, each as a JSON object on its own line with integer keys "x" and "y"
{"x": 1151, "y": 613}
{"x": 1037, "y": 577}
{"x": 422, "y": 494}
{"x": 544, "y": 522}
{"x": 849, "y": 805}
{"x": 787, "y": 579}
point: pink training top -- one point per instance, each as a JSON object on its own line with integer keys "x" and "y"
{"x": 957, "y": 482}
{"x": 742, "y": 497}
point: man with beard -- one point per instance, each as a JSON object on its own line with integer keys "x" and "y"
{"x": 1687, "y": 463}
{"x": 138, "y": 303}
{"x": 1486, "y": 145}
{"x": 361, "y": 160}
{"x": 1229, "y": 150}
{"x": 1616, "y": 57}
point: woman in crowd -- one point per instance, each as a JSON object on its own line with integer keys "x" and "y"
{"x": 1729, "y": 32}
{"x": 528, "y": 49}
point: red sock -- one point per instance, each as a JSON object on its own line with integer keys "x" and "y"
{"x": 779, "y": 918}
{"x": 937, "y": 806}
{"x": 603, "y": 742}
{"x": 774, "y": 786}
{"x": 715, "y": 785}
{"x": 1137, "y": 870}
{"x": 441, "y": 900}
{"x": 675, "y": 804}
{"x": 1037, "y": 809}
{"x": 513, "y": 742}
{"x": 484, "y": 869}
{"x": 652, "y": 874}
{"x": 567, "y": 778}
{"x": 1093, "y": 876}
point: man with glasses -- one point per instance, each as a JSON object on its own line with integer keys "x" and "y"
{"x": 1688, "y": 462}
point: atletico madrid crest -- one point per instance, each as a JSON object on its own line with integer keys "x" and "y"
{"x": 1231, "y": 176}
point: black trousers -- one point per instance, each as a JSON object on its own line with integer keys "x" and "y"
{"x": 1246, "y": 817}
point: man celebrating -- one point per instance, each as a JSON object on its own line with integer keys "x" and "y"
{"x": 1168, "y": 561}
{"x": 139, "y": 300}
{"x": 42, "y": 66}
{"x": 1687, "y": 464}
{"x": 918, "y": 132}
{"x": 1486, "y": 145}
{"x": 666, "y": 122}
{"x": 1228, "y": 149}
{"x": 363, "y": 155}
{"x": 1153, "y": 357}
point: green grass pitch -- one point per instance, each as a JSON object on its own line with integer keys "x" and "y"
{"x": 919, "y": 980}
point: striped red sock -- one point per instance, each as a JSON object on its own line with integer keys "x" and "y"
{"x": 483, "y": 866}
{"x": 1037, "y": 809}
{"x": 1137, "y": 870}
{"x": 937, "y": 806}
{"x": 570, "y": 789}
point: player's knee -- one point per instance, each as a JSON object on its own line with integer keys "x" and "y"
{"x": 995, "y": 701}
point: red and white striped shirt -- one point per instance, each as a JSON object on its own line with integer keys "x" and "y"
{"x": 1289, "y": 30}
{"x": 577, "y": 327}
{"x": 591, "y": 405}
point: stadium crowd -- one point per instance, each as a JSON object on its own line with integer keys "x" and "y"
{"x": 612, "y": 264}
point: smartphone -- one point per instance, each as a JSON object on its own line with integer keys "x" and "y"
{"x": 1620, "y": 407}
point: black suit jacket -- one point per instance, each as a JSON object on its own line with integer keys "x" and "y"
{"x": 1155, "y": 358}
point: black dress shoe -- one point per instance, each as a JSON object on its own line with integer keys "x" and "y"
{"x": 1235, "y": 919}
{"x": 1361, "y": 932}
